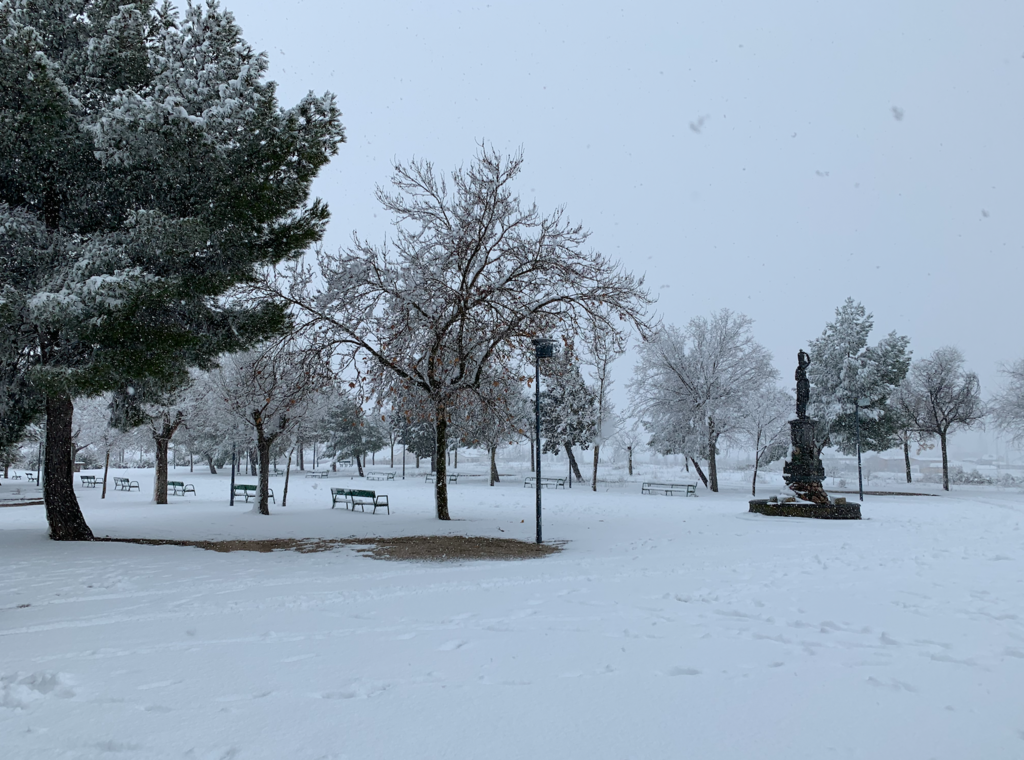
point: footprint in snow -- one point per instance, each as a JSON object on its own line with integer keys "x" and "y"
{"x": 892, "y": 684}
{"x": 451, "y": 646}
{"x": 678, "y": 671}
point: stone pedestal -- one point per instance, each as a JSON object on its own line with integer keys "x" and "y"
{"x": 805, "y": 472}
{"x": 846, "y": 510}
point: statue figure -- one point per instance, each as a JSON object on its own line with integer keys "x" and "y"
{"x": 803, "y": 385}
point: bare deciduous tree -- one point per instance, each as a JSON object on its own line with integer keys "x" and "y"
{"x": 764, "y": 423}
{"x": 268, "y": 388}
{"x": 697, "y": 379}
{"x": 1008, "y": 406}
{"x": 943, "y": 397}
{"x": 468, "y": 276}
{"x": 602, "y": 348}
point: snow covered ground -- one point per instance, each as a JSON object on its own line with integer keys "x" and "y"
{"x": 667, "y": 628}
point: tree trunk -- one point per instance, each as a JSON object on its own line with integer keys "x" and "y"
{"x": 945, "y": 462}
{"x": 213, "y": 467}
{"x": 160, "y": 476}
{"x": 700, "y": 472}
{"x": 162, "y": 438}
{"x": 493, "y": 450}
{"x": 753, "y": 483}
{"x": 572, "y": 463}
{"x": 712, "y": 463}
{"x": 906, "y": 459}
{"x": 106, "y": 468}
{"x": 629, "y": 459}
{"x": 62, "y": 511}
{"x": 287, "y": 472}
{"x": 441, "y": 477}
{"x": 593, "y": 482}
{"x": 359, "y": 465}
{"x": 263, "y": 491}
{"x": 392, "y": 455}
{"x": 254, "y": 461}
{"x": 533, "y": 456}
{"x": 298, "y": 455}
{"x": 456, "y": 463}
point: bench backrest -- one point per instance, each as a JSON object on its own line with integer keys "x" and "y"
{"x": 175, "y": 483}
{"x": 238, "y": 487}
{"x": 353, "y": 492}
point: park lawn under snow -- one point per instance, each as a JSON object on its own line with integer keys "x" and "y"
{"x": 667, "y": 628}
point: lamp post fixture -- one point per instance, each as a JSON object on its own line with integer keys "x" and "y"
{"x": 544, "y": 348}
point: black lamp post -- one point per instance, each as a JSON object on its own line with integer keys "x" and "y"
{"x": 231, "y": 499}
{"x": 544, "y": 348}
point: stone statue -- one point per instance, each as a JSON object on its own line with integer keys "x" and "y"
{"x": 803, "y": 385}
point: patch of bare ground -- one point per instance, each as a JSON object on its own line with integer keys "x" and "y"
{"x": 414, "y": 548}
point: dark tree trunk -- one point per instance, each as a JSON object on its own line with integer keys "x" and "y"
{"x": 162, "y": 437}
{"x": 213, "y": 467}
{"x": 359, "y": 465}
{"x": 62, "y": 511}
{"x": 597, "y": 451}
{"x": 287, "y": 472}
{"x": 945, "y": 462}
{"x": 493, "y": 450}
{"x": 753, "y": 483}
{"x": 573, "y": 464}
{"x": 906, "y": 460}
{"x": 712, "y": 463}
{"x": 160, "y": 476}
{"x": 298, "y": 456}
{"x": 533, "y": 457}
{"x": 106, "y": 469}
{"x": 700, "y": 472}
{"x": 441, "y": 477}
{"x": 629, "y": 458}
{"x": 263, "y": 454}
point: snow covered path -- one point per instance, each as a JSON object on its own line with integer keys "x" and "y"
{"x": 667, "y": 628}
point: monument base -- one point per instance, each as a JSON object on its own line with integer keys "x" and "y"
{"x": 830, "y": 511}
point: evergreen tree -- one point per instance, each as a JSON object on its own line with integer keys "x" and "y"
{"x": 350, "y": 432}
{"x": 568, "y": 409}
{"x": 845, "y": 371}
{"x": 145, "y": 170}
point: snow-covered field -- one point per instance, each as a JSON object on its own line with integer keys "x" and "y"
{"x": 667, "y": 628}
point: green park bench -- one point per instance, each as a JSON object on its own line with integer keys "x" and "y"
{"x": 670, "y": 489}
{"x": 351, "y": 498}
{"x": 179, "y": 488}
{"x": 531, "y": 481}
{"x": 453, "y": 477}
{"x": 380, "y": 476}
{"x": 89, "y": 481}
{"x": 123, "y": 484}
{"x": 317, "y": 474}
{"x": 249, "y": 491}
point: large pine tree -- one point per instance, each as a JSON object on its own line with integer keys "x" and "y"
{"x": 146, "y": 170}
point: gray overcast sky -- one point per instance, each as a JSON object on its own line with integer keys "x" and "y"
{"x": 773, "y": 158}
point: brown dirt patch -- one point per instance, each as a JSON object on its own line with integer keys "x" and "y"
{"x": 415, "y": 548}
